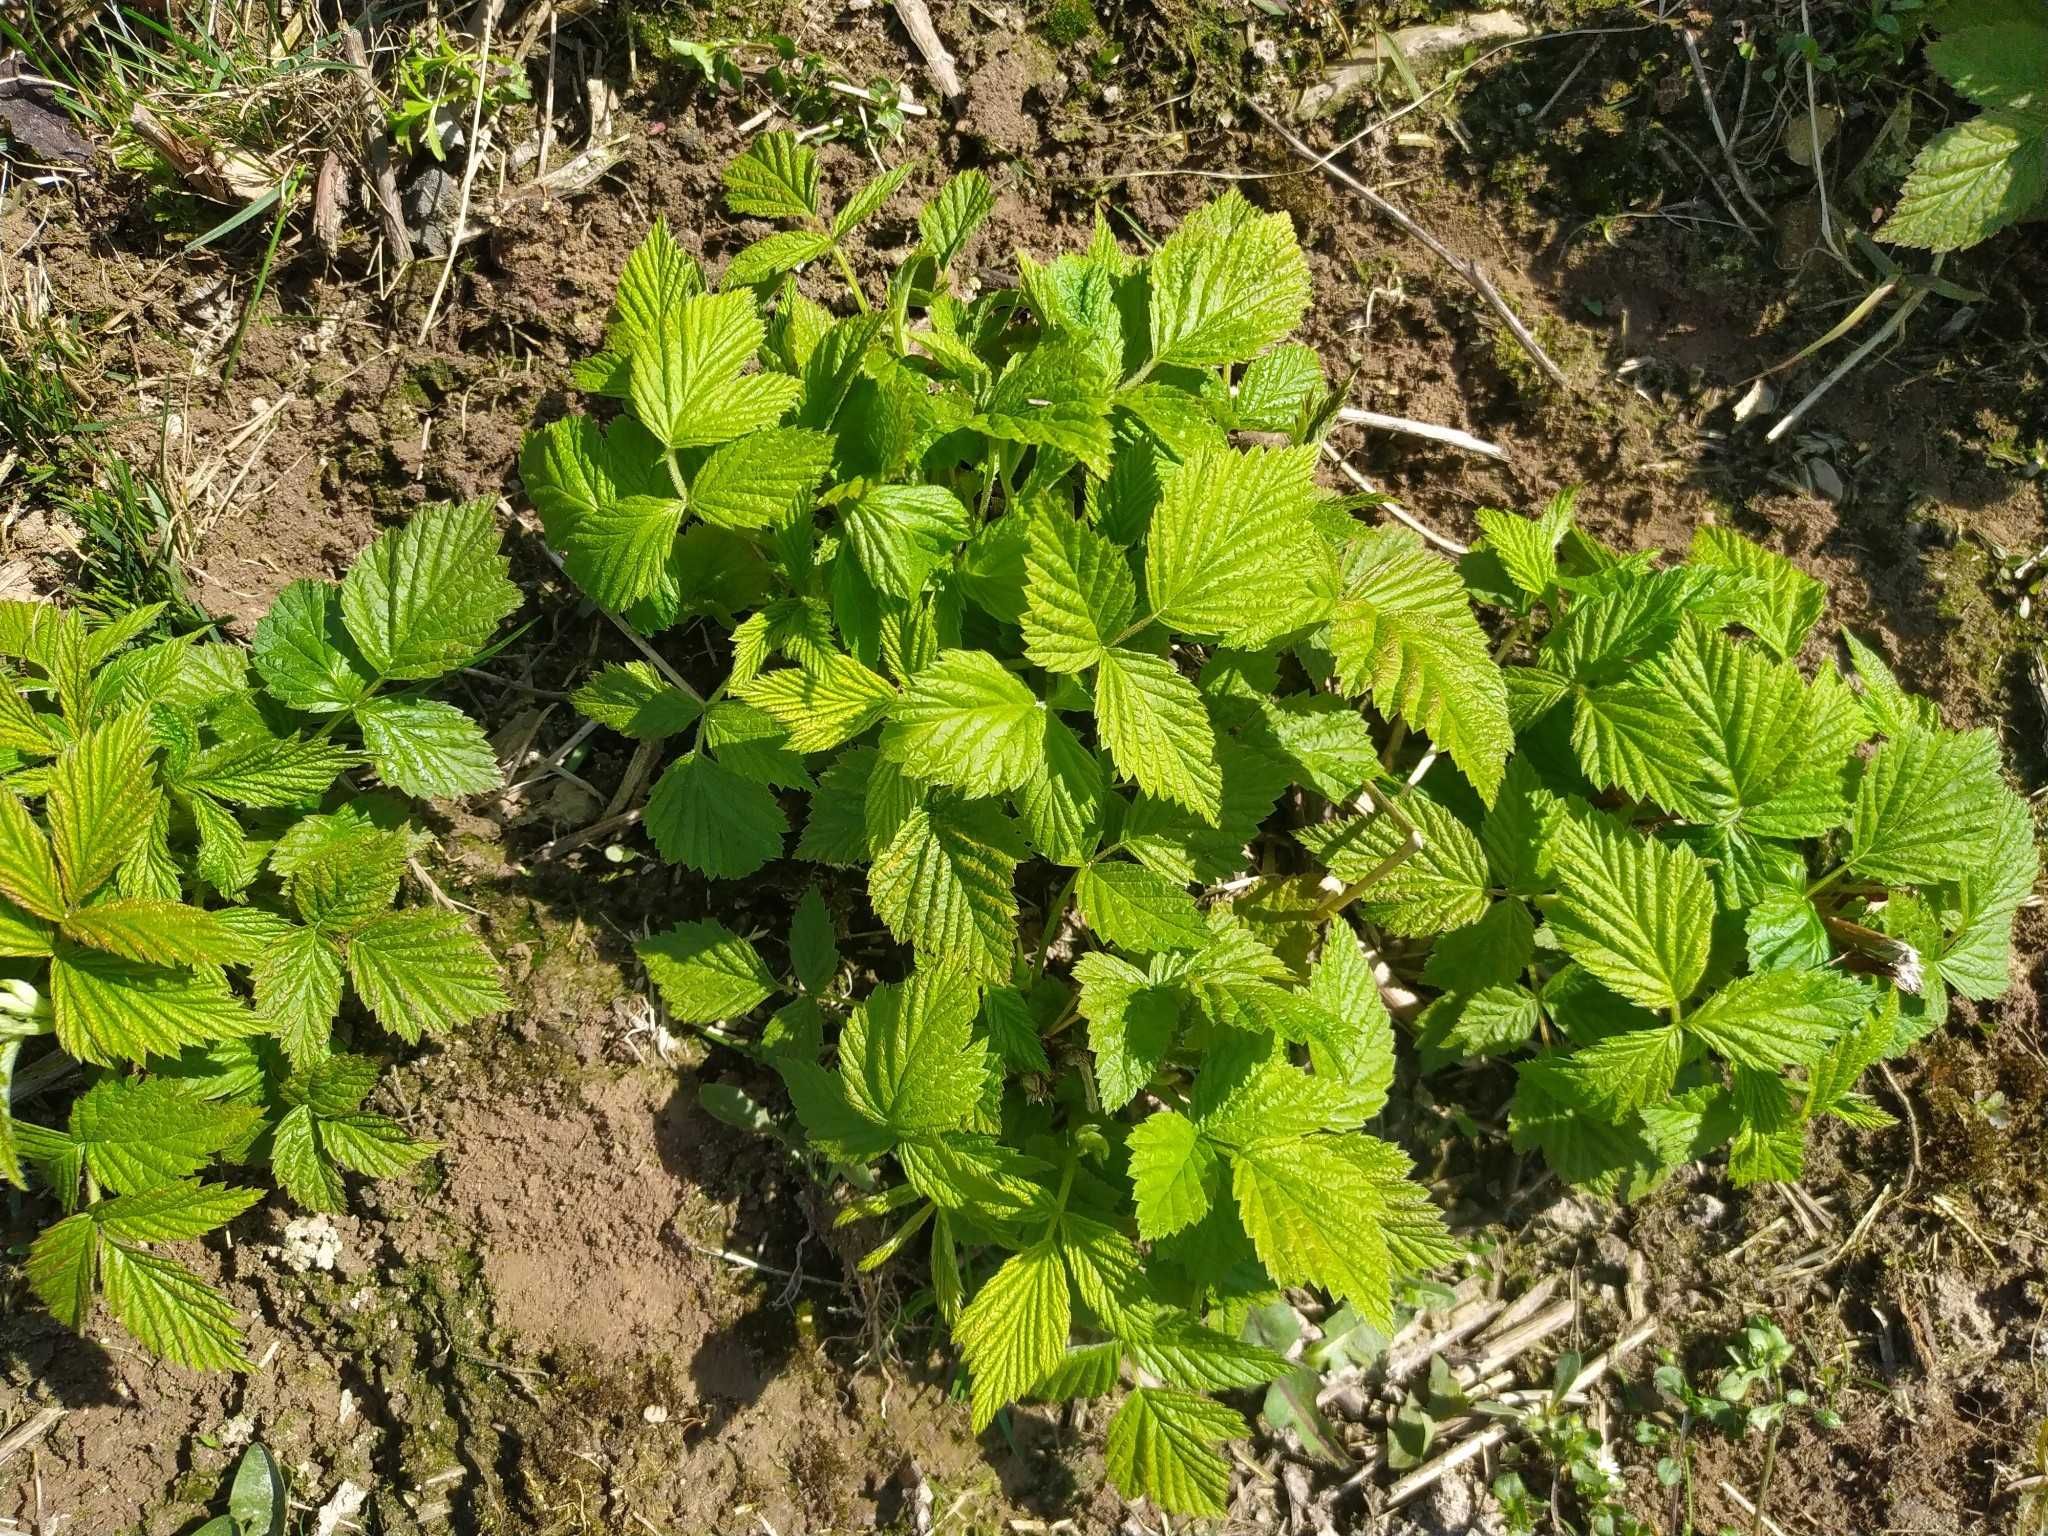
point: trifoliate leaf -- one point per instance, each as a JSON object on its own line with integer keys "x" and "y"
{"x": 301, "y": 1165}
{"x": 1441, "y": 885}
{"x": 1642, "y": 741}
{"x": 909, "y": 1057}
{"x": 632, "y": 698}
{"x": 968, "y": 723}
{"x": 422, "y": 970}
{"x": 1132, "y": 908}
{"x": 1526, "y": 548}
{"x": 1784, "y": 931}
{"x": 1927, "y": 807}
{"x": 1891, "y": 710}
{"x": 1079, "y": 594}
{"x": 1014, "y": 1331}
{"x": 899, "y": 533}
{"x": 1276, "y": 387}
{"x": 1324, "y": 740}
{"x": 1231, "y": 551}
{"x": 427, "y": 596}
{"x": 706, "y": 972}
{"x": 943, "y": 885}
{"x": 1404, "y": 632}
{"x": 1226, "y": 285}
{"x": 1632, "y": 910}
{"x": 707, "y": 818}
{"x": 427, "y": 748}
{"x": 1157, "y": 731}
{"x": 1779, "y": 1018}
{"x": 304, "y": 653}
{"x": 1171, "y": 1173}
{"x": 822, "y": 704}
{"x": 1238, "y": 1103}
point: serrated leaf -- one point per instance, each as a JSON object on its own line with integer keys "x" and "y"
{"x": 1971, "y": 181}
{"x": 689, "y": 391}
{"x": 710, "y": 819}
{"x": 1231, "y": 551}
{"x": 304, "y": 653}
{"x": 426, "y": 597}
{"x": 634, "y": 700}
{"x": 100, "y": 802}
{"x": 63, "y": 1263}
{"x": 952, "y": 217}
{"x": 135, "y": 1136}
{"x": 1132, "y": 908}
{"x": 762, "y": 479}
{"x": 1171, "y": 1172}
{"x": 1996, "y": 63}
{"x": 1356, "y": 1043}
{"x": 908, "y": 1055}
{"x": 1079, "y": 594}
{"x": 1276, "y": 387}
{"x": 423, "y": 971}
{"x": 28, "y": 869}
{"x": 899, "y": 533}
{"x": 1310, "y": 1211}
{"x": 298, "y": 984}
{"x": 427, "y": 748}
{"x": 1441, "y": 885}
{"x": 1626, "y": 1071}
{"x": 1153, "y": 722}
{"x": 1977, "y": 958}
{"x": 159, "y": 932}
{"x": 1014, "y": 1331}
{"x": 1779, "y": 1018}
{"x": 1404, "y": 632}
{"x": 777, "y": 178}
{"x": 1927, "y": 807}
{"x": 1643, "y": 741}
{"x": 1237, "y": 1104}
{"x": 813, "y": 942}
{"x": 170, "y": 1309}
{"x": 1132, "y": 1017}
{"x": 1780, "y": 603}
{"x": 1162, "y": 1446}
{"x": 943, "y": 886}
{"x": 1184, "y": 1353}
{"x": 265, "y": 771}
{"x": 1226, "y": 285}
{"x": 968, "y": 723}
{"x": 822, "y": 704}
{"x": 172, "y": 1212}
{"x": 107, "y": 1008}
{"x": 706, "y": 972}
{"x": 768, "y": 258}
{"x": 1062, "y": 802}
{"x": 1633, "y": 911}
{"x": 868, "y": 198}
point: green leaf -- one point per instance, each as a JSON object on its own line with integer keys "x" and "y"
{"x": 1643, "y": 741}
{"x": 427, "y": 748}
{"x": 950, "y": 220}
{"x": 1972, "y": 181}
{"x": 826, "y": 702}
{"x": 176, "y": 1212}
{"x": 100, "y": 802}
{"x": 1226, "y": 285}
{"x": 1053, "y": 396}
{"x": 1014, "y": 1332}
{"x": 943, "y": 886}
{"x": 1779, "y": 1018}
{"x": 63, "y": 1263}
{"x": 1231, "y": 550}
{"x": 1162, "y": 1446}
{"x": 1356, "y": 1043}
{"x": 657, "y": 277}
{"x": 1132, "y": 1018}
{"x": 708, "y": 818}
{"x": 298, "y": 983}
{"x": 767, "y": 259}
{"x": 1404, "y": 632}
{"x": 900, "y": 533}
{"x": 1185, "y": 1353}
{"x": 159, "y": 932}
{"x": 1780, "y": 603}
{"x": 813, "y": 942}
{"x": 762, "y": 479}
{"x": 1276, "y": 388}
{"x": 777, "y": 178}
{"x": 258, "y": 769}
{"x": 689, "y": 391}
{"x": 256, "y": 1502}
{"x": 1997, "y": 63}
{"x": 1442, "y": 885}
{"x": 1310, "y": 1213}
{"x": 706, "y": 972}
{"x": 908, "y": 1055}
{"x": 1927, "y": 807}
{"x": 1157, "y": 731}
{"x": 967, "y": 722}
{"x": 1172, "y": 1170}
{"x": 28, "y": 870}
{"x": 1079, "y": 594}
{"x": 136, "y": 1136}
{"x": 1891, "y": 710}
{"x": 423, "y": 971}
{"x": 868, "y": 198}
{"x": 304, "y": 653}
{"x": 1977, "y": 959}
{"x": 170, "y": 1309}
{"x": 631, "y": 698}
{"x": 1133, "y": 908}
{"x": 1526, "y": 547}
{"x": 1063, "y": 800}
{"x": 1626, "y": 1071}
{"x": 427, "y": 597}
{"x": 1633, "y": 911}
{"x": 108, "y": 1008}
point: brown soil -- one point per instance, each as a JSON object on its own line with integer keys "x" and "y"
{"x": 558, "y": 1327}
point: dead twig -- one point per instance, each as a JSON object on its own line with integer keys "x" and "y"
{"x": 1699, "y": 71}
{"x": 1408, "y": 427}
{"x": 383, "y": 177}
{"x": 472, "y": 162}
{"x": 1848, "y": 365}
{"x": 1469, "y": 270}
{"x": 27, "y": 1433}
{"x": 917, "y": 21}
{"x": 1389, "y": 505}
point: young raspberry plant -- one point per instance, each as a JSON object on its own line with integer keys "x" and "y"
{"x": 1165, "y": 770}
{"x": 199, "y": 908}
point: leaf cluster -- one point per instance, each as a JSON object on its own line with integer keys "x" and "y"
{"x": 1165, "y": 769}
{"x": 194, "y": 881}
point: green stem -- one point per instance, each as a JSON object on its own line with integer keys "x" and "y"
{"x": 1763, "y": 1485}
{"x": 1053, "y": 916}
{"x": 860, "y": 299}
{"x": 286, "y": 195}
{"x": 1826, "y": 880}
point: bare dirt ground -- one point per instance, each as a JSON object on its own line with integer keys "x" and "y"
{"x": 602, "y": 1310}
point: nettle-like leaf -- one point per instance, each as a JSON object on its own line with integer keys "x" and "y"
{"x": 195, "y": 883}
{"x": 1158, "y": 764}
